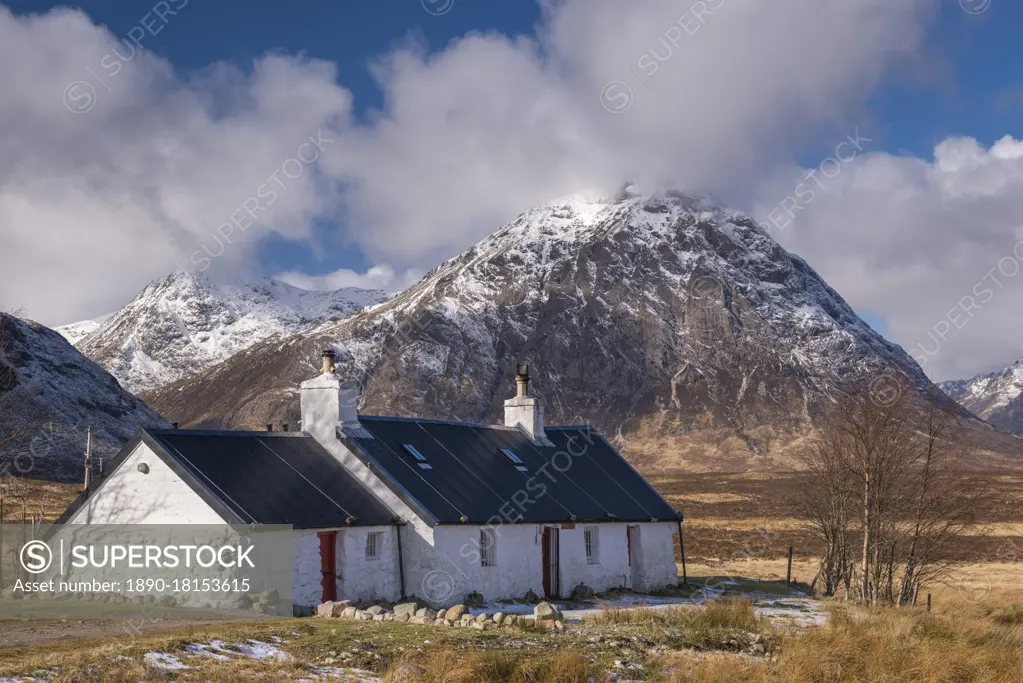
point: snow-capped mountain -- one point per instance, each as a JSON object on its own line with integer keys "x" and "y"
{"x": 184, "y": 323}
{"x": 49, "y": 395}
{"x": 994, "y": 396}
{"x": 652, "y": 317}
{"x": 76, "y": 332}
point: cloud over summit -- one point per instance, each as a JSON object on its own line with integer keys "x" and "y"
{"x": 99, "y": 196}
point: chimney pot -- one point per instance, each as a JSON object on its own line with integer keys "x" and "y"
{"x": 522, "y": 380}
{"x": 328, "y": 361}
{"x": 174, "y": 425}
{"x": 269, "y": 428}
{"x": 284, "y": 427}
{"x": 523, "y": 410}
{"x": 326, "y": 404}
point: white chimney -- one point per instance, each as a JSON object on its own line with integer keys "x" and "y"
{"x": 326, "y": 405}
{"x": 523, "y": 410}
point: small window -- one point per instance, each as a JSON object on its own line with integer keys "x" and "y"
{"x": 590, "y": 538}
{"x": 373, "y": 545}
{"x": 486, "y": 548}
{"x": 419, "y": 457}
{"x": 414, "y": 452}
{"x": 516, "y": 460}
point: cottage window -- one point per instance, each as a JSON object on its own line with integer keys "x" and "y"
{"x": 373, "y": 545}
{"x": 417, "y": 456}
{"x": 487, "y": 558}
{"x": 590, "y": 538}
{"x": 516, "y": 460}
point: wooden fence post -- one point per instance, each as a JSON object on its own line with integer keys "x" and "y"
{"x": 788, "y": 574}
{"x": 682, "y": 551}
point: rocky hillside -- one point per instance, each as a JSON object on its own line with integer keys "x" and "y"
{"x": 995, "y": 397}
{"x": 673, "y": 325}
{"x": 49, "y": 394}
{"x": 185, "y": 323}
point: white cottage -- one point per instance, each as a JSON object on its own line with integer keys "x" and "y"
{"x": 387, "y": 507}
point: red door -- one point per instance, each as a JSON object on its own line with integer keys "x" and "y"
{"x": 551, "y": 562}
{"x": 328, "y": 565}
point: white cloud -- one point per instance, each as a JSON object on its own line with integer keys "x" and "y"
{"x": 95, "y": 204}
{"x": 723, "y": 92}
{"x": 378, "y": 277}
{"x": 933, "y": 246}
{"x": 720, "y": 90}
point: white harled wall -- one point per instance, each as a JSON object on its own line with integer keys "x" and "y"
{"x": 518, "y": 567}
{"x": 127, "y": 496}
{"x": 359, "y": 577}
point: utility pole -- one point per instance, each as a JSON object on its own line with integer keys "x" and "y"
{"x": 88, "y": 457}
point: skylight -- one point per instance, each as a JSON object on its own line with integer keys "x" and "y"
{"x": 519, "y": 465}
{"x": 419, "y": 457}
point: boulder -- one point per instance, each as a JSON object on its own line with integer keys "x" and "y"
{"x": 582, "y": 592}
{"x": 325, "y": 610}
{"x": 546, "y": 610}
{"x": 527, "y": 622}
{"x": 455, "y": 613}
{"x": 442, "y": 614}
{"x": 403, "y": 618}
{"x": 510, "y": 620}
{"x": 363, "y": 615}
{"x": 498, "y": 618}
{"x": 375, "y": 610}
{"x": 409, "y": 608}
{"x": 530, "y": 598}
{"x": 427, "y": 613}
{"x": 481, "y": 617}
{"x": 480, "y": 626}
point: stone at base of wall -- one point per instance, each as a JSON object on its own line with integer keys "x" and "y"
{"x": 544, "y": 616}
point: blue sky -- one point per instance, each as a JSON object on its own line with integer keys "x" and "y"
{"x": 967, "y": 84}
{"x": 453, "y": 135}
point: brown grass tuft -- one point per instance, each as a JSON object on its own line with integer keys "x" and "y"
{"x": 448, "y": 666}
{"x": 884, "y": 646}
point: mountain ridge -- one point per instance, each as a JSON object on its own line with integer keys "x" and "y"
{"x": 996, "y": 397}
{"x": 183, "y": 323}
{"x": 653, "y": 317}
{"x": 50, "y": 393}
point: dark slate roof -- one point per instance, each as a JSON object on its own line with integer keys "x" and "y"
{"x": 269, "y": 477}
{"x": 580, "y": 478}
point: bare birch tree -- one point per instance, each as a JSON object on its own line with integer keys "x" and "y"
{"x": 884, "y": 476}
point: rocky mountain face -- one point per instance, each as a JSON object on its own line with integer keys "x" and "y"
{"x": 49, "y": 395}
{"x": 995, "y": 397}
{"x": 184, "y": 323}
{"x": 679, "y": 328}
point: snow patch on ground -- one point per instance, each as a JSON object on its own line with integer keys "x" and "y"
{"x": 797, "y": 611}
{"x": 164, "y": 661}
